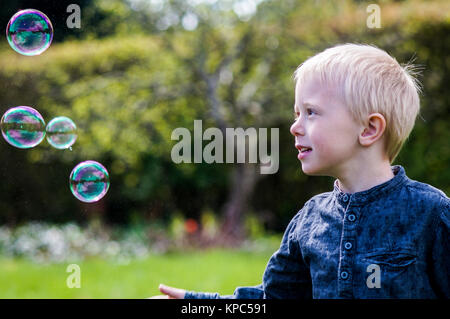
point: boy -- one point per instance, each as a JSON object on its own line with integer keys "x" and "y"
{"x": 378, "y": 234}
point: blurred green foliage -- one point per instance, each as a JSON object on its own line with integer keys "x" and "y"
{"x": 129, "y": 82}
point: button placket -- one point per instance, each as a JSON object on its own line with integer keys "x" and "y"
{"x": 347, "y": 254}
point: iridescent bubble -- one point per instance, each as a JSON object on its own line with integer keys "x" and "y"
{"x": 23, "y": 127}
{"x": 89, "y": 181}
{"x": 29, "y": 32}
{"x": 61, "y": 132}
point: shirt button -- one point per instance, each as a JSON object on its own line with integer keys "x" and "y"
{"x": 345, "y": 198}
{"x": 344, "y": 275}
{"x": 348, "y": 245}
{"x": 351, "y": 217}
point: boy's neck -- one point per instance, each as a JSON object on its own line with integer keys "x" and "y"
{"x": 365, "y": 177}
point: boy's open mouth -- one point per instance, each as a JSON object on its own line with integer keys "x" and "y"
{"x": 303, "y": 149}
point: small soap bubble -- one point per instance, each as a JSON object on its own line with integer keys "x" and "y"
{"x": 61, "y": 132}
{"x": 23, "y": 127}
{"x": 89, "y": 181}
{"x": 29, "y": 32}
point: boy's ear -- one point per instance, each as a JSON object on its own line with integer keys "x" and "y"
{"x": 374, "y": 129}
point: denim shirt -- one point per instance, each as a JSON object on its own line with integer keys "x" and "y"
{"x": 390, "y": 241}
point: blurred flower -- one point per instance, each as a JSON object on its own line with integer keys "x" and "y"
{"x": 190, "y": 225}
{"x": 43, "y": 243}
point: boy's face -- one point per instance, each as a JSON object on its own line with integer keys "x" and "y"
{"x": 324, "y": 125}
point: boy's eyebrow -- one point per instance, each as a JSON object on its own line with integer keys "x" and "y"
{"x": 305, "y": 104}
{"x": 309, "y": 104}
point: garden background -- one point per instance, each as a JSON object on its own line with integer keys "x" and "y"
{"x": 138, "y": 69}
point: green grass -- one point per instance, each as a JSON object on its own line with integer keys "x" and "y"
{"x": 211, "y": 270}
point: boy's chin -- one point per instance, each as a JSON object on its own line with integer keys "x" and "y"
{"x": 309, "y": 172}
{"x": 313, "y": 171}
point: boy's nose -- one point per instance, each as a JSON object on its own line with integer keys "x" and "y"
{"x": 297, "y": 128}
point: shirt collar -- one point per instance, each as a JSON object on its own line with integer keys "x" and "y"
{"x": 374, "y": 192}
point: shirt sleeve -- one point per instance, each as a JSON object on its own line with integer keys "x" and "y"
{"x": 255, "y": 292}
{"x": 286, "y": 276}
{"x": 441, "y": 251}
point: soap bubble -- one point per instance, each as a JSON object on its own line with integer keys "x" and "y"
{"x": 29, "y": 32}
{"x": 61, "y": 132}
{"x": 89, "y": 181}
{"x": 23, "y": 127}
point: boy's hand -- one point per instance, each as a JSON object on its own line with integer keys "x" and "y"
{"x": 170, "y": 293}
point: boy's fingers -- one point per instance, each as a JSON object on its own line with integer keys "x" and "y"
{"x": 172, "y": 292}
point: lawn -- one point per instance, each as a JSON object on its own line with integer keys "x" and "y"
{"x": 214, "y": 270}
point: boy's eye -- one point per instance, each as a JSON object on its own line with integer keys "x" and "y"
{"x": 309, "y": 112}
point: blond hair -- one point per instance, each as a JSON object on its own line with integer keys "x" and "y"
{"x": 371, "y": 81}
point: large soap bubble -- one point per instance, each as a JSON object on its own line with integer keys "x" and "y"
{"x": 23, "y": 127}
{"x": 61, "y": 132}
{"x": 29, "y": 32}
{"x": 89, "y": 181}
